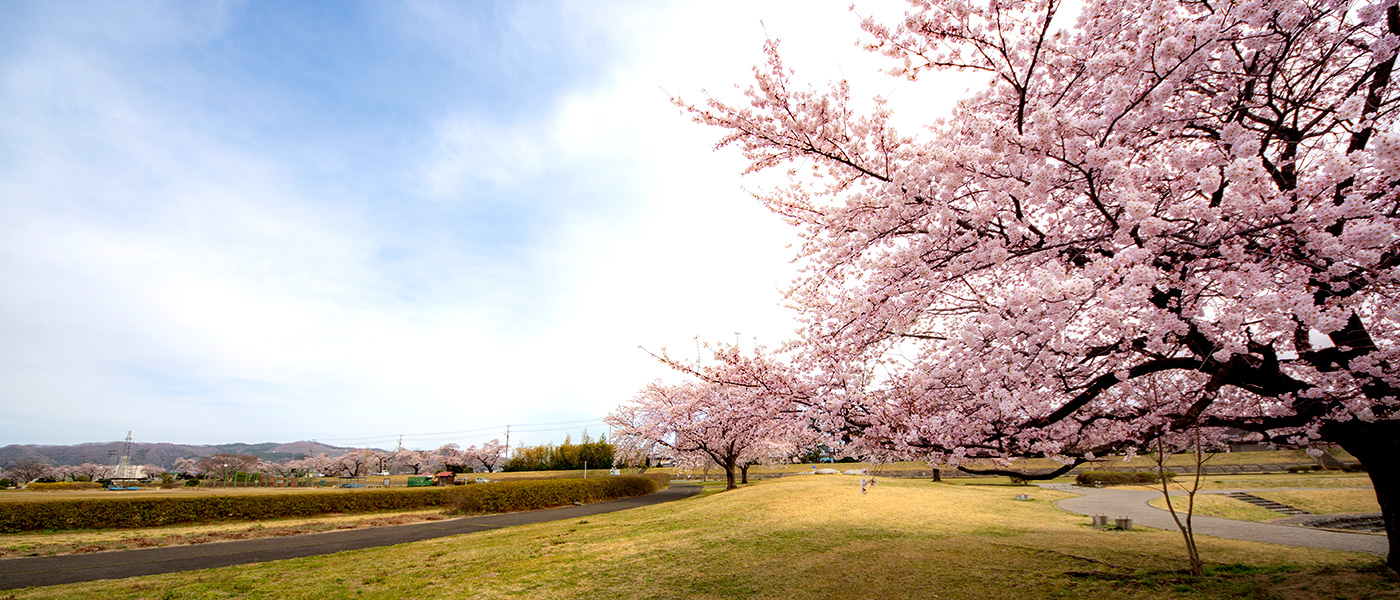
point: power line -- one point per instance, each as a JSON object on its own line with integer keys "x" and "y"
{"x": 522, "y": 428}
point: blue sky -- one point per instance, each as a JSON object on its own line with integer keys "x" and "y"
{"x": 271, "y": 221}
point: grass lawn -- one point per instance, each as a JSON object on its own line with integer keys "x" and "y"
{"x": 1319, "y": 502}
{"x": 800, "y": 537}
{"x": 1215, "y": 505}
{"x": 1326, "y": 502}
{"x": 1322, "y": 479}
{"x": 1225, "y": 458}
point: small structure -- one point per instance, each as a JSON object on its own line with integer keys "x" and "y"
{"x": 124, "y": 474}
{"x": 445, "y": 477}
{"x": 419, "y": 481}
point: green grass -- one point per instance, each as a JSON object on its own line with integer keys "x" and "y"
{"x": 802, "y": 537}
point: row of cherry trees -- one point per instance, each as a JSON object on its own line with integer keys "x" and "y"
{"x": 1161, "y": 194}
{"x": 25, "y": 471}
{"x": 695, "y": 424}
{"x": 357, "y": 463}
{"x": 365, "y": 461}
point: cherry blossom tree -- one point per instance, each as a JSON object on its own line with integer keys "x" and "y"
{"x": 356, "y": 463}
{"x": 1207, "y": 189}
{"x": 490, "y": 456}
{"x": 320, "y": 464}
{"x": 414, "y": 460}
{"x": 150, "y": 471}
{"x": 187, "y": 467}
{"x": 448, "y": 455}
{"x": 25, "y": 471}
{"x": 731, "y": 425}
{"x": 224, "y": 466}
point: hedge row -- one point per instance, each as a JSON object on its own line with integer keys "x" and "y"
{"x": 64, "y": 485}
{"x": 662, "y": 479}
{"x": 123, "y": 513}
{"x": 1117, "y": 477}
{"x": 513, "y": 496}
{"x": 507, "y": 496}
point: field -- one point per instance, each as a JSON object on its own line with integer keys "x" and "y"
{"x": 1318, "y": 501}
{"x": 798, "y": 537}
{"x": 1275, "y": 457}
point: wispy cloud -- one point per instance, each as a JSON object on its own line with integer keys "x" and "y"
{"x": 285, "y": 222}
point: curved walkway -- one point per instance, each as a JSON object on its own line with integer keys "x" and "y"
{"x": 54, "y": 570}
{"x": 1115, "y": 503}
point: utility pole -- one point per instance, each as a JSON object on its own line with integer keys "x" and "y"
{"x": 507, "y": 442}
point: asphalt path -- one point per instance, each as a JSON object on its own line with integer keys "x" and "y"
{"x": 54, "y": 570}
{"x": 1115, "y": 503}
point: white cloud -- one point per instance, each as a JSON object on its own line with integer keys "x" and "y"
{"x": 167, "y": 266}
{"x": 472, "y": 152}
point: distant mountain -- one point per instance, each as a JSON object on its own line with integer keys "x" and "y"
{"x": 161, "y": 453}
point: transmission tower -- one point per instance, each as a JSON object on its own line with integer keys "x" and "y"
{"x": 123, "y": 469}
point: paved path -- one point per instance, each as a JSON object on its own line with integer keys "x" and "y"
{"x": 53, "y": 570}
{"x": 1115, "y": 503}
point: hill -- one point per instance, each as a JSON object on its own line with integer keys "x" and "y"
{"x": 163, "y": 454}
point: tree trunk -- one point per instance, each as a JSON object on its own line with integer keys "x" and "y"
{"x": 1377, "y": 446}
{"x": 744, "y": 470}
{"x": 729, "y": 468}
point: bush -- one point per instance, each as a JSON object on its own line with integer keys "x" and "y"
{"x": 64, "y": 485}
{"x": 5, "y": 482}
{"x": 512, "y": 496}
{"x": 662, "y": 479}
{"x": 122, "y": 513}
{"x": 1118, "y": 477}
{"x": 191, "y": 483}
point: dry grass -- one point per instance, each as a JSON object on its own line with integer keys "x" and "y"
{"x": 1215, "y": 505}
{"x": 807, "y": 537}
{"x": 1228, "y": 458}
{"x": 1323, "y": 479}
{"x": 1318, "y": 502}
{"x": 1326, "y": 502}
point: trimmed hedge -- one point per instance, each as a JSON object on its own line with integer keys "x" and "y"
{"x": 514, "y": 496}
{"x": 124, "y": 513}
{"x": 662, "y": 479}
{"x": 506, "y": 496}
{"x": 64, "y": 485}
{"x": 1117, "y": 477}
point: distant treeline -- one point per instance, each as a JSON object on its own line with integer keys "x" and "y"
{"x": 567, "y": 456}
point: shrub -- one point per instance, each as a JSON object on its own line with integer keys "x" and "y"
{"x": 5, "y": 482}
{"x": 662, "y": 479}
{"x": 124, "y": 513}
{"x": 512, "y": 496}
{"x": 191, "y": 483}
{"x": 64, "y": 485}
{"x": 1118, "y": 477}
